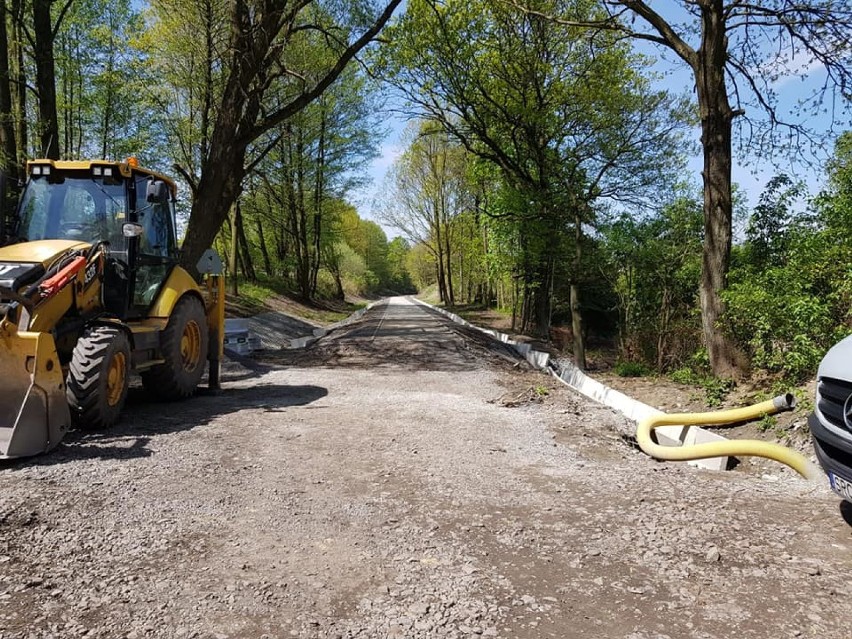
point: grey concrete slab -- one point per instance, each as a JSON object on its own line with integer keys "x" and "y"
{"x": 276, "y": 330}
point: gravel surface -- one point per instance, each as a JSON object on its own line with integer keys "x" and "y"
{"x": 405, "y": 478}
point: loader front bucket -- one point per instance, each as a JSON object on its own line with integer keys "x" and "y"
{"x": 34, "y": 413}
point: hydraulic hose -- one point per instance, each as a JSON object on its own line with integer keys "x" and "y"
{"x": 754, "y": 448}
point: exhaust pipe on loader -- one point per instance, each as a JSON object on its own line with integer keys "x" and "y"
{"x": 34, "y": 415}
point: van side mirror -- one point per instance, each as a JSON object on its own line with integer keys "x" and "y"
{"x": 157, "y": 192}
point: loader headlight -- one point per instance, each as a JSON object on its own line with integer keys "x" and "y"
{"x": 36, "y": 170}
{"x": 107, "y": 171}
{"x": 97, "y": 171}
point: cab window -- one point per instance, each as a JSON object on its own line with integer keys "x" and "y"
{"x": 157, "y": 252}
{"x": 73, "y": 207}
{"x": 156, "y": 221}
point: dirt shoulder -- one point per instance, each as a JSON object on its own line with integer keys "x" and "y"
{"x": 667, "y": 395}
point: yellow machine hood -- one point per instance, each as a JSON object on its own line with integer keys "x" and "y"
{"x": 38, "y": 252}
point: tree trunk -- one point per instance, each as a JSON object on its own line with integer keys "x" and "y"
{"x": 207, "y": 100}
{"x": 253, "y": 46}
{"x": 576, "y": 306}
{"x": 451, "y": 294}
{"x": 267, "y": 263}
{"x": 8, "y": 147}
{"x": 304, "y": 252}
{"x": 716, "y": 126}
{"x": 663, "y": 328}
{"x": 332, "y": 261}
{"x": 67, "y": 99}
{"x": 338, "y": 282}
{"x": 541, "y": 300}
{"x": 245, "y": 253}
{"x": 439, "y": 254}
{"x": 19, "y": 86}
{"x": 79, "y": 125}
{"x": 319, "y": 199}
{"x": 106, "y": 122}
{"x": 217, "y": 190}
{"x": 45, "y": 79}
{"x": 233, "y": 287}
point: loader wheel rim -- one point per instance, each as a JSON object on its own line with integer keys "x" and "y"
{"x": 190, "y": 346}
{"x": 116, "y": 379}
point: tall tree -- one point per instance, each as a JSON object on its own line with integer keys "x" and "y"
{"x": 427, "y": 191}
{"x": 261, "y": 34}
{"x": 43, "y": 37}
{"x": 311, "y": 167}
{"x": 565, "y": 115}
{"x": 186, "y": 48}
{"x": 736, "y": 50}
{"x": 8, "y": 145}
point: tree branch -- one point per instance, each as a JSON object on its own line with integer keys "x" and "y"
{"x": 274, "y": 119}
{"x": 193, "y": 184}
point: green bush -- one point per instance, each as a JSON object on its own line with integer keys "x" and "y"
{"x": 784, "y": 327}
{"x": 631, "y": 369}
{"x": 715, "y": 390}
{"x": 684, "y": 376}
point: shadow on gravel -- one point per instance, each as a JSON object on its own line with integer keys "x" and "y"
{"x": 144, "y": 419}
{"x": 846, "y": 512}
{"x": 411, "y": 338}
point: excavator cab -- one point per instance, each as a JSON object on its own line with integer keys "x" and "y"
{"x": 91, "y": 291}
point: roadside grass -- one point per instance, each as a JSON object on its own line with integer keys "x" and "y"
{"x": 430, "y": 295}
{"x": 269, "y": 295}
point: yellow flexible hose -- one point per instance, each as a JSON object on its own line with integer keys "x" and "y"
{"x": 732, "y": 448}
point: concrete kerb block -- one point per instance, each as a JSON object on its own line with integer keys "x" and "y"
{"x": 636, "y": 411}
{"x": 631, "y": 408}
{"x": 303, "y": 342}
{"x": 523, "y": 349}
{"x": 318, "y": 333}
{"x": 538, "y": 359}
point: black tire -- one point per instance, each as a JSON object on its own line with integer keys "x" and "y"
{"x": 98, "y": 376}
{"x": 184, "y": 344}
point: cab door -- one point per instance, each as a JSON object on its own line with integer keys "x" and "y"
{"x": 156, "y": 252}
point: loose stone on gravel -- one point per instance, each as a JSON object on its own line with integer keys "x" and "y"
{"x": 293, "y": 503}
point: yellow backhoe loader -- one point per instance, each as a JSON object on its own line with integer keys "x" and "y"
{"x": 90, "y": 290}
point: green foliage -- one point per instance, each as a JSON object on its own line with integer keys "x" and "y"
{"x": 785, "y": 328}
{"x": 789, "y": 295}
{"x": 631, "y": 369}
{"x": 683, "y": 376}
{"x": 767, "y": 423}
{"x": 791, "y": 287}
{"x": 715, "y": 390}
{"x": 563, "y": 119}
{"x": 357, "y": 278}
{"x": 653, "y": 265}
{"x": 767, "y": 234}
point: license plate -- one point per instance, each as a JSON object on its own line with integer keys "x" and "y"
{"x": 842, "y": 487}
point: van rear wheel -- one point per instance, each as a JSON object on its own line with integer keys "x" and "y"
{"x": 184, "y": 344}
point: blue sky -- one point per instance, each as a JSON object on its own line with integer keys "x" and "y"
{"x": 749, "y": 173}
